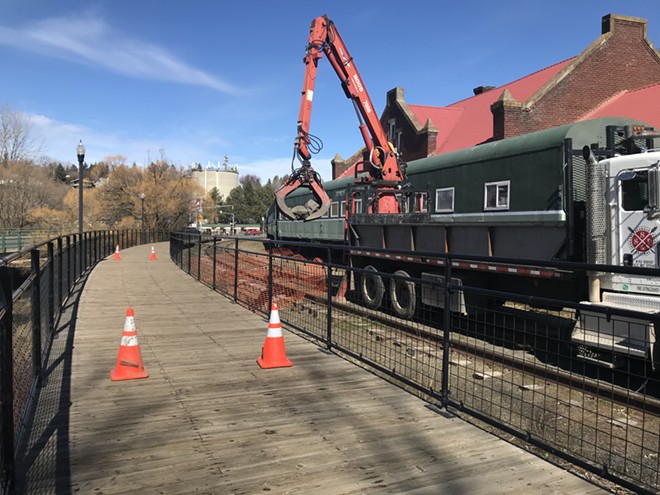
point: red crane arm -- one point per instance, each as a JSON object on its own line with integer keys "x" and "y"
{"x": 324, "y": 38}
{"x": 381, "y": 161}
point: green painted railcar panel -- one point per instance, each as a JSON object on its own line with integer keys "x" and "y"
{"x": 533, "y": 163}
{"x": 322, "y": 229}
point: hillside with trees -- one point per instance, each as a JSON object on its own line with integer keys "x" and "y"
{"x": 36, "y": 192}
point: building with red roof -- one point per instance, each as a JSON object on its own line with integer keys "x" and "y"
{"x": 593, "y": 84}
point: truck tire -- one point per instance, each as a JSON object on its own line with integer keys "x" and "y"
{"x": 372, "y": 288}
{"x": 403, "y": 295}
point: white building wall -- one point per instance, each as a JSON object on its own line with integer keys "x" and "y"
{"x": 223, "y": 180}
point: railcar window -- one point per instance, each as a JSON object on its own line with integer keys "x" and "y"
{"x": 421, "y": 205}
{"x": 444, "y": 200}
{"x": 403, "y": 202}
{"x": 334, "y": 209}
{"x": 342, "y": 208}
{"x": 635, "y": 192}
{"x": 496, "y": 195}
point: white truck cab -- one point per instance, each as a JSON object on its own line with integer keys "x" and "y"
{"x": 627, "y": 235}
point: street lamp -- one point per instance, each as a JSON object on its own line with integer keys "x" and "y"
{"x": 80, "y": 150}
{"x": 222, "y": 207}
{"x": 142, "y": 218}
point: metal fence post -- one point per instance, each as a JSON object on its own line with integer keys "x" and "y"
{"x": 7, "y": 381}
{"x": 51, "y": 287}
{"x": 446, "y": 341}
{"x": 214, "y": 257}
{"x": 68, "y": 265}
{"x": 90, "y": 249}
{"x": 270, "y": 278}
{"x": 189, "y": 248}
{"x": 235, "y": 270}
{"x": 329, "y": 300}
{"x": 36, "y": 315}
{"x": 199, "y": 257}
{"x": 60, "y": 271}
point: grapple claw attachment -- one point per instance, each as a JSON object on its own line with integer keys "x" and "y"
{"x": 306, "y": 177}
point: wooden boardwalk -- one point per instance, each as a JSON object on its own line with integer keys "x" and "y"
{"x": 208, "y": 420}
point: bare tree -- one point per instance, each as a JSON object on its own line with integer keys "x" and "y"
{"x": 23, "y": 187}
{"x": 18, "y": 139}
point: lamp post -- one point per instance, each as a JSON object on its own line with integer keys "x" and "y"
{"x": 142, "y": 218}
{"x": 222, "y": 207}
{"x": 80, "y": 150}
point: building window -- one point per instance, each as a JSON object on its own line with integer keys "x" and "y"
{"x": 357, "y": 206}
{"x": 397, "y": 143}
{"x": 334, "y": 209}
{"x": 496, "y": 195}
{"x": 391, "y": 131}
{"x": 444, "y": 200}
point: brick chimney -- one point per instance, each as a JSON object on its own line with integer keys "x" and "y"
{"x": 507, "y": 116}
{"x": 339, "y": 166}
{"x": 482, "y": 89}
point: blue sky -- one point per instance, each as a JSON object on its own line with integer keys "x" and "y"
{"x": 196, "y": 80}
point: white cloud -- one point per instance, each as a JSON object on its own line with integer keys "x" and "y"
{"x": 61, "y": 138}
{"x": 91, "y": 41}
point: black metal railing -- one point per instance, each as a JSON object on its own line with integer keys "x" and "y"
{"x": 35, "y": 283}
{"x": 502, "y": 357}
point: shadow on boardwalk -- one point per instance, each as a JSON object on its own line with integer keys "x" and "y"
{"x": 43, "y": 450}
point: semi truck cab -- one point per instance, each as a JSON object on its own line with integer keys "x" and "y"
{"x": 625, "y": 192}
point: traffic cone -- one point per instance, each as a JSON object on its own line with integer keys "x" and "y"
{"x": 273, "y": 354}
{"x": 129, "y": 361}
{"x": 153, "y": 256}
{"x": 116, "y": 256}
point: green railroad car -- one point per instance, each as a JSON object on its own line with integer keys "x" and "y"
{"x": 587, "y": 192}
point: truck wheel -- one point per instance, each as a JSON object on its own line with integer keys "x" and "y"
{"x": 403, "y": 295}
{"x": 372, "y": 288}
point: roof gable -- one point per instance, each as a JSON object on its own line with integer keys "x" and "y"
{"x": 637, "y": 104}
{"x": 469, "y": 122}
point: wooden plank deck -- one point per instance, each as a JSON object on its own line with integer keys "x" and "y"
{"x": 208, "y": 420}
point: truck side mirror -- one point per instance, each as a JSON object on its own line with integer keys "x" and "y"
{"x": 654, "y": 187}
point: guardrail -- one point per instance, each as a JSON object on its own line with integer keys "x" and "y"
{"x": 12, "y": 240}
{"x": 502, "y": 359}
{"x": 35, "y": 284}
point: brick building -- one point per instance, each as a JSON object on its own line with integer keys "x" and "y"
{"x": 618, "y": 75}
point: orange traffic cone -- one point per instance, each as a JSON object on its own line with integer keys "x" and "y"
{"x": 116, "y": 256}
{"x": 153, "y": 256}
{"x": 272, "y": 353}
{"x": 129, "y": 361}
